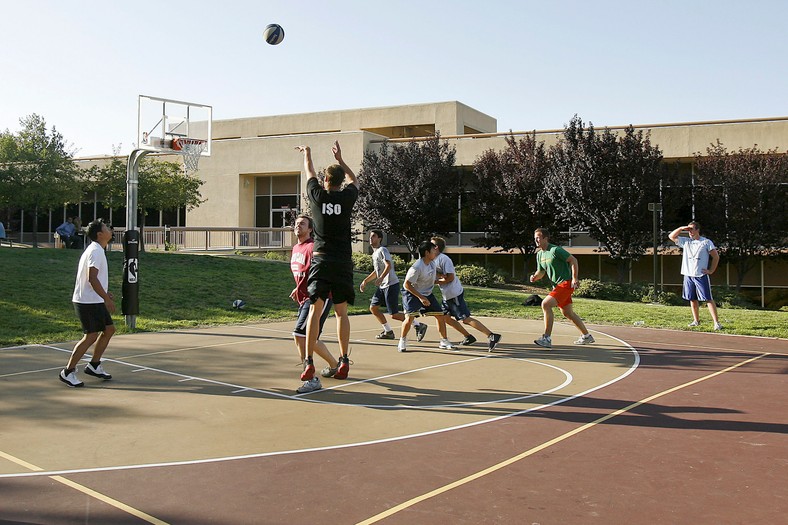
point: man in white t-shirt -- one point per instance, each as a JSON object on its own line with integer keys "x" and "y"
{"x": 388, "y": 292}
{"x": 93, "y": 304}
{"x": 454, "y": 305}
{"x": 417, "y": 297}
{"x": 696, "y": 251}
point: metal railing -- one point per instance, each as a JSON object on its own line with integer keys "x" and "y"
{"x": 213, "y": 239}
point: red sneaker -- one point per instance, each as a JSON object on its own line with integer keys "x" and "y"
{"x": 309, "y": 370}
{"x": 344, "y": 368}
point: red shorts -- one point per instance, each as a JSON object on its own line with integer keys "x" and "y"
{"x": 563, "y": 293}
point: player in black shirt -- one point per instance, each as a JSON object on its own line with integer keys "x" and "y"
{"x": 331, "y": 274}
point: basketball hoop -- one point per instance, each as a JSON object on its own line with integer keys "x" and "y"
{"x": 191, "y": 149}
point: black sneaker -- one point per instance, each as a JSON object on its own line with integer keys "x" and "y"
{"x": 421, "y": 330}
{"x": 385, "y": 335}
{"x": 70, "y": 379}
{"x": 469, "y": 340}
{"x": 97, "y": 372}
{"x": 493, "y": 341}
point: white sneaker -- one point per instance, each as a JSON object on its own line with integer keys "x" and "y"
{"x": 97, "y": 372}
{"x": 70, "y": 379}
{"x": 693, "y": 323}
{"x": 717, "y": 326}
{"x": 445, "y": 344}
{"x": 585, "y": 339}
{"x": 402, "y": 346}
{"x": 545, "y": 341}
{"x": 310, "y": 386}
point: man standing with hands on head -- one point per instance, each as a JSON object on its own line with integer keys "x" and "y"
{"x": 93, "y": 305}
{"x": 696, "y": 252}
{"x": 562, "y": 269}
{"x": 331, "y": 274}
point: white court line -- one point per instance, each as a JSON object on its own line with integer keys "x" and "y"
{"x": 629, "y": 371}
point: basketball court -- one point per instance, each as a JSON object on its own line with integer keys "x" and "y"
{"x": 204, "y": 426}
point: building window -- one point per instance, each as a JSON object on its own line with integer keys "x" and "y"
{"x": 275, "y": 197}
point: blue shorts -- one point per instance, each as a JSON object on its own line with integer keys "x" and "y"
{"x": 457, "y": 308}
{"x": 94, "y": 317}
{"x": 388, "y": 296}
{"x": 303, "y": 316}
{"x": 697, "y": 288}
{"x": 413, "y": 306}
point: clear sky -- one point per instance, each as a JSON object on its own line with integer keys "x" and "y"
{"x": 530, "y": 64}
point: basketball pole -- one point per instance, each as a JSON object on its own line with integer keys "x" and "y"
{"x": 130, "y": 301}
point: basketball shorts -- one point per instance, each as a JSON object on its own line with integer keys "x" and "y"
{"x": 457, "y": 307}
{"x": 414, "y": 307}
{"x": 331, "y": 279}
{"x": 697, "y": 288}
{"x": 388, "y": 296}
{"x": 94, "y": 317}
{"x": 563, "y": 293}
{"x": 303, "y": 316}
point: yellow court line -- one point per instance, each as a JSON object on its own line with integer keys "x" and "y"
{"x": 85, "y": 490}
{"x": 523, "y": 455}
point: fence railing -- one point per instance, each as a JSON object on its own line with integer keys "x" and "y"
{"x": 212, "y": 239}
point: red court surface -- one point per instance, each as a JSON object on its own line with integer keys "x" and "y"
{"x": 203, "y": 426}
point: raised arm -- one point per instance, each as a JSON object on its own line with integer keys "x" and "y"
{"x": 309, "y": 168}
{"x": 674, "y": 235}
{"x": 348, "y": 172}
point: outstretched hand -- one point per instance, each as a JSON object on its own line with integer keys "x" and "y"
{"x": 337, "y": 150}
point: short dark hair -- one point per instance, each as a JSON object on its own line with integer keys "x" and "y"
{"x": 695, "y": 224}
{"x": 544, "y": 231}
{"x": 94, "y": 228}
{"x": 309, "y": 219}
{"x": 440, "y": 242}
{"x": 424, "y": 247}
{"x": 378, "y": 233}
{"x": 335, "y": 175}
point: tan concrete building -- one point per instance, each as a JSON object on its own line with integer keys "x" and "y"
{"x": 254, "y": 175}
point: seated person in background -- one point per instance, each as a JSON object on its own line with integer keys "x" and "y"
{"x": 66, "y": 231}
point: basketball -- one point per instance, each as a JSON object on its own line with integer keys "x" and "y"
{"x": 273, "y": 34}
{"x": 239, "y": 304}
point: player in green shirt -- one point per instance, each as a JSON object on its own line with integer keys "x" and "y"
{"x": 561, "y": 268}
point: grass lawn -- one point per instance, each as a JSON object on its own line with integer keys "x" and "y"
{"x": 182, "y": 290}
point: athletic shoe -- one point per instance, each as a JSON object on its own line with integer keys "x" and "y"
{"x": 385, "y": 335}
{"x": 328, "y": 371}
{"x": 70, "y": 379}
{"x": 402, "y": 346}
{"x": 585, "y": 339}
{"x": 445, "y": 344}
{"x": 717, "y": 326}
{"x": 309, "y": 370}
{"x": 420, "y": 331}
{"x": 310, "y": 386}
{"x": 343, "y": 369}
{"x": 694, "y": 323}
{"x": 469, "y": 340}
{"x": 493, "y": 341}
{"x": 97, "y": 372}
{"x": 545, "y": 341}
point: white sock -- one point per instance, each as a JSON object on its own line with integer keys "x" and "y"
{"x": 387, "y": 327}
{"x": 416, "y": 323}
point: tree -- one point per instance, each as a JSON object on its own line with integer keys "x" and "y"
{"x": 740, "y": 202}
{"x": 508, "y": 198}
{"x": 603, "y": 183}
{"x": 37, "y": 172}
{"x": 410, "y": 191}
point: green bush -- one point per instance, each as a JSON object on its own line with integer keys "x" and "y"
{"x": 473, "y": 275}
{"x": 726, "y": 297}
{"x": 362, "y": 262}
{"x": 593, "y": 289}
{"x": 776, "y": 299}
{"x": 275, "y": 256}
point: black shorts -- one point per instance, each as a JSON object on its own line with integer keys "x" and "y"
{"x": 331, "y": 279}
{"x": 94, "y": 317}
{"x": 303, "y": 316}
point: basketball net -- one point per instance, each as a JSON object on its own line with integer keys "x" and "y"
{"x": 190, "y": 149}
